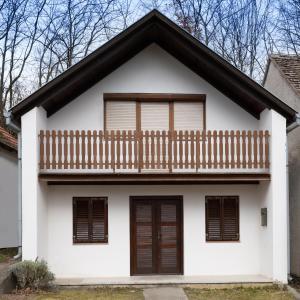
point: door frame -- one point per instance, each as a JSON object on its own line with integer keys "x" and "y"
{"x": 132, "y": 199}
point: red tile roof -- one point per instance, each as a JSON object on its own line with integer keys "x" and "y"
{"x": 289, "y": 66}
{"x": 7, "y": 139}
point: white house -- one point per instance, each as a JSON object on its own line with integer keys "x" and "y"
{"x": 154, "y": 156}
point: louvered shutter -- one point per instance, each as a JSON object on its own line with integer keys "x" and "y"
{"x": 98, "y": 220}
{"x": 230, "y": 219}
{"x": 89, "y": 220}
{"x": 120, "y": 115}
{"x": 154, "y": 116}
{"x": 81, "y": 220}
{"x": 188, "y": 115}
{"x": 213, "y": 218}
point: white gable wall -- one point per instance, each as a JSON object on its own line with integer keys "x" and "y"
{"x": 151, "y": 71}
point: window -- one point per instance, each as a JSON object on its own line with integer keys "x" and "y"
{"x": 90, "y": 220}
{"x": 154, "y": 112}
{"x": 222, "y": 218}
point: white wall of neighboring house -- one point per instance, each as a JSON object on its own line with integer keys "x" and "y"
{"x": 8, "y": 198}
{"x": 280, "y": 87}
{"x": 47, "y": 210}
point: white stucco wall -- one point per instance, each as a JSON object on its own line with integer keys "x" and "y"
{"x": 151, "y": 71}
{"x": 8, "y": 199}
{"x": 113, "y": 259}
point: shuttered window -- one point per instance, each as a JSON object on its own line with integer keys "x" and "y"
{"x": 155, "y": 116}
{"x": 188, "y": 116}
{"x": 222, "y": 218}
{"x": 120, "y": 115}
{"x": 90, "y": 220}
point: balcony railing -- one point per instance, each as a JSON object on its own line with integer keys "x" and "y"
{"x": 160, "y": 151}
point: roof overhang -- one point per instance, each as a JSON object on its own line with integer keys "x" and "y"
{"x": 154, "y": 28}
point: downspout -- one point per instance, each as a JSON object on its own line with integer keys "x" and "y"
{"x": 291, "y": 127}
{"x": 12, "y": 126}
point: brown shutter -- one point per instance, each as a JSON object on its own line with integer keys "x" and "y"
{"x": 154, "y": 116}
{"x": 98, "y": 219}
{"x": 213, "y": 218}
{"x": 230, "y": 219}
{"x": 81, "y": 220}
{"x": 90, "y": 220}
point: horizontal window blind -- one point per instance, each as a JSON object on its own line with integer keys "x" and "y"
{"x": 155, "y": 116}
{"x": 90, "y": 220}
{"x": 188, "y": 115}
{"x": 120, "y": 115}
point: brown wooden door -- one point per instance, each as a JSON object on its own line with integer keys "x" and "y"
{"x": 156, "y": 235}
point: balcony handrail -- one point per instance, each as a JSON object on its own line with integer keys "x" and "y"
{"x": 153, "y": 150}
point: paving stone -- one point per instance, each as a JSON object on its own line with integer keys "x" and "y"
{"x": 164, "y": 293}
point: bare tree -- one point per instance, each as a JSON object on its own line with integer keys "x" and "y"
{"x": 19, "y": 21}
{"x": 289, "y": 26}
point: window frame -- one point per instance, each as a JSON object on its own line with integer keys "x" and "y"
{"x": 222, "y": 197}
{"x": 154, "y": 97}
{"x": 90, "y": 199}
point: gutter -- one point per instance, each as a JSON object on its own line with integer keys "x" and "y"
{"x": 294, "y": 125}
{"x": 15, "y": 128}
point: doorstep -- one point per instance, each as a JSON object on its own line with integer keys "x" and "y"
{"x": 164, "y": 279}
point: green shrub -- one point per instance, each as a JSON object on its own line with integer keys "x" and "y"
{"x": 32, "y": 274}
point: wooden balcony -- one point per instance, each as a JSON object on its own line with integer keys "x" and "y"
{"x": 154, "y": 153}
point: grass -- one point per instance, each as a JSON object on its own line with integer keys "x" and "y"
{"x": 239, "y": 293}
{"x": 7, "y": 253}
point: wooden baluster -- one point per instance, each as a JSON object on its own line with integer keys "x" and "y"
{"x": 89, "y": 148}
{"x": 198, "y": 137}
{"x": 261, "y": 149}
{"x": 158, "y": 158}
{"x": 83, "y": 149}
{"x": 215, "y": 149}
{"x": 238, "y": 149}
{"x": 47, "y": 149}
{"x": 267, "y": 162}
{"x": 59, "y": 150}
{"x": 220, "y": 149}
{"x": 192, "y": 143}
{"x": 95, "y": 149}
{"x": 101, "y": 149}
{"x": 226, "y": 150}
{"x": 53, "y": 149}
{"x": 129, "y": 149}
{"x": 244, "y": 164}
{"x": 141, "y": 150}
{"x": 147, "y": 149}
{"x": 180, "y": 149}
{"x": 136, "y": 147}
{"x": 77, "y": 150}
{"x": 71, "y": 149}
{"x": 118, "y": 137}
{"x": 42, "y": 149}
{"x": 112, "y": 150}
{"x": 186, "y": 150}
{"x": 175, "y": 150}
{"x": 106, "y": 147}
{"x": 203, "y": 141}
{"x": 209, "y": 149}
{"x": 164, "y": 166}
{"x": 66, "y": 149}
{"x": 124, "y": 152}
{"x": 232, "y": 148}
{"x": 249, "y": 140}
{"x": 255, "y": 148}
{"x": 152, "y": 150}
{"x": 170, "y": 156}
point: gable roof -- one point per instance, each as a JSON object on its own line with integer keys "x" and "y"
{"x": 7, "y": 140}
{"x": 154, "y": 28}
{"x": 289, "y": 67}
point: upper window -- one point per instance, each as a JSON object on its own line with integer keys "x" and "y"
{"x": 154, "y": 112}
{"x": 222, "y": 218}
{"x": 90, "y": 220}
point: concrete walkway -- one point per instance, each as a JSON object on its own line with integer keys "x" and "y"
{"x": 164, "y": 293}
